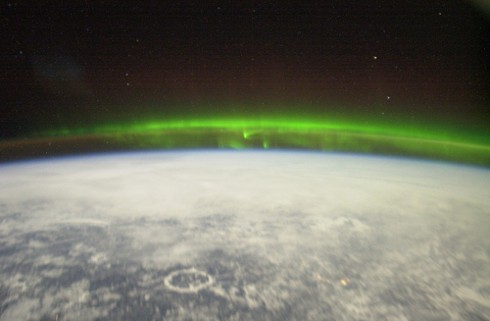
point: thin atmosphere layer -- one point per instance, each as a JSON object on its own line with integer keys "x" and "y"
{"x": 358, "y": 136}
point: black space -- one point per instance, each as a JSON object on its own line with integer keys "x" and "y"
{"x": 82, "y": 63}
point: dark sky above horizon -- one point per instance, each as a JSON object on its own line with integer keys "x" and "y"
{"x": 77, "y": 63}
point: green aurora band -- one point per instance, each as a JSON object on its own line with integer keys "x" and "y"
{"x": 361, "y": 136}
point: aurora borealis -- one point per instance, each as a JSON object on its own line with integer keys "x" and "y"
{"x": 265, "y": 134}
{"x": 408, "y": 80}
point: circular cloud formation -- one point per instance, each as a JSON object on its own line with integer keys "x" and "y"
{"x": 189, "y": 280}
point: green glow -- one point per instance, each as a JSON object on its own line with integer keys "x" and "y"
{"x": 250, "y": 127}
{"x": 361, "y": 135}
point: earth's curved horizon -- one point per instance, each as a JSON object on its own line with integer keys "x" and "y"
{"x": 249, "y": 235}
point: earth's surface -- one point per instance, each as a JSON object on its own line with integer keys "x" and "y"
{"x": 243, "y": 236}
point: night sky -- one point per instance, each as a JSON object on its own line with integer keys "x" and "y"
{"x": 78, "y": 64}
